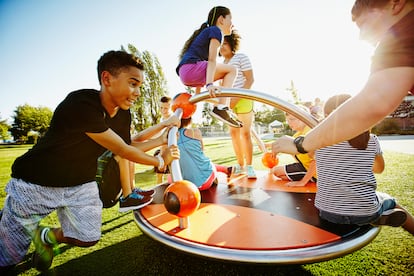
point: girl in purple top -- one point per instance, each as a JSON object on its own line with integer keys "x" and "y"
{"x": 198, "y": 66}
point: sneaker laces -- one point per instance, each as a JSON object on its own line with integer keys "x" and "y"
{"x": 136, "y": 196}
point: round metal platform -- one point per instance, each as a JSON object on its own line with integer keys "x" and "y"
{"x": 254, "y": 220}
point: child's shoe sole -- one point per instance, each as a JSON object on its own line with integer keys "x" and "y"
{"x": 393, "y": 217}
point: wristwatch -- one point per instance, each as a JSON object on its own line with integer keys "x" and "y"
{"x": 298, "y": 143}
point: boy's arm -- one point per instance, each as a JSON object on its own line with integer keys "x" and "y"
{"x": 149, "y": 144}
{"x": 113, "y": 142}
{"x": 153, "y": 130}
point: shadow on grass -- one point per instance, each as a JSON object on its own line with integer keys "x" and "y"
{"x": 144, "y": 256}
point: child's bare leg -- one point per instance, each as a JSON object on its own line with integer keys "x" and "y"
{"x": 228, "y": 74}
{"x": 279, "y": 171}
{"x": 237, "y": 145}
{"x": 132, "y": 175}
{"x": 160, "y": 177}
{"x": 125, "y": 175}
{"x": 409, "y": 223}
{"x": 246, "y": 137}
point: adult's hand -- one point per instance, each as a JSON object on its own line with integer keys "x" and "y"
{"x": 285, "y": 145}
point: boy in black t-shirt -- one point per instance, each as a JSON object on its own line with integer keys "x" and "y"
{"x": 58, "y": 173}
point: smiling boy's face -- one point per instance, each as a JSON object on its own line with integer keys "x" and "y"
{"x": 124, "y": 88}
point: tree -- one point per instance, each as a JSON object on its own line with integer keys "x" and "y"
{"x": 266, "y": 115}
{"x": 4, "y": 130}
{"x": 294, "y": 92}
{"x": 206, "y": 118}
{"x": 145, "y": 112}
{"x": 30, "y": 120}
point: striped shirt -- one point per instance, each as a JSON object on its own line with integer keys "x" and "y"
{"x": 346, "y": 183}
{"x": 242, "y": 63}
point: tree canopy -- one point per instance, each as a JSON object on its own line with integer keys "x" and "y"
{"x": 30, "y": 121}
{"x": 4, "y": 130}
{"x": 146, "y": 111}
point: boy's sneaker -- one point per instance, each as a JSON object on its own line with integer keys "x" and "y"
{"x": 42, "y": 258}
{"x": 144, "y": 192}
{"x": 250, "y": 172}
{"x": 229, "y": 171}
{"x": 237, "y": 170}
{"x": 226, "y": 116}
{"x": 133, "y": 201}
{"x": 393, "y": 217}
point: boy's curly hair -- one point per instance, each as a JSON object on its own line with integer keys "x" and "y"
{"x": 233, "y": 40}
{"x": 115, "y": 61}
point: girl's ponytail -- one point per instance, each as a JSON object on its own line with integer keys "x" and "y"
{"x": 213, "y": 15}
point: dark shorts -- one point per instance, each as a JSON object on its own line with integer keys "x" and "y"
{"x": 296, "y": 171}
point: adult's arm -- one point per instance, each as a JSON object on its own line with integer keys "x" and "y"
{"x": 381, "y": 95}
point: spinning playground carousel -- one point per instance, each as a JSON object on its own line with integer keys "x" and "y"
{"x": 246, "y": 220}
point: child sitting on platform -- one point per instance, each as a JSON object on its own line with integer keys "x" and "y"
{"x": 304, "y": 170}
{"x": 347, "y": 185}
{"x": 195, "y": 165}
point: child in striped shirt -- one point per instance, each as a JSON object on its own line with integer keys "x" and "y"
{"x": 346, "y": 182}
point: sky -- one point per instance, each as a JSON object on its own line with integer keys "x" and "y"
{"x": 49, "y": 48}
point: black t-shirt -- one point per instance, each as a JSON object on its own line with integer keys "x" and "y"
{"x": 396, "y": 49}
{"x": 66, "y": 156}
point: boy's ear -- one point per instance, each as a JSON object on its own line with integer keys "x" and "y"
{"x": 397, "y": 6}
{"x": 105, "y": 78}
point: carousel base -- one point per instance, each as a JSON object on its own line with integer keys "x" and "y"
{"x": 254, "y": 221}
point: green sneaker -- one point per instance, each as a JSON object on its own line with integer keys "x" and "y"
{"x": 43, "y": 256}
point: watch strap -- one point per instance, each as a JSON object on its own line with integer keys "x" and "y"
{"x": 298, "y": 141}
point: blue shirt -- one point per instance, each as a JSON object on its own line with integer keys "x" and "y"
{"x": 195, "y": 165}
{"x": 199, "y": 48}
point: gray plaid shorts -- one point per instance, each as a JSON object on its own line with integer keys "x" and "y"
{"x": 79, "y": 210}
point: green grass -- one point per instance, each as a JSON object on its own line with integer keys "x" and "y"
{"x": 124, "y": 250}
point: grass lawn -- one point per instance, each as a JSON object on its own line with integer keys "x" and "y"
{"x": 124, "y": 250}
